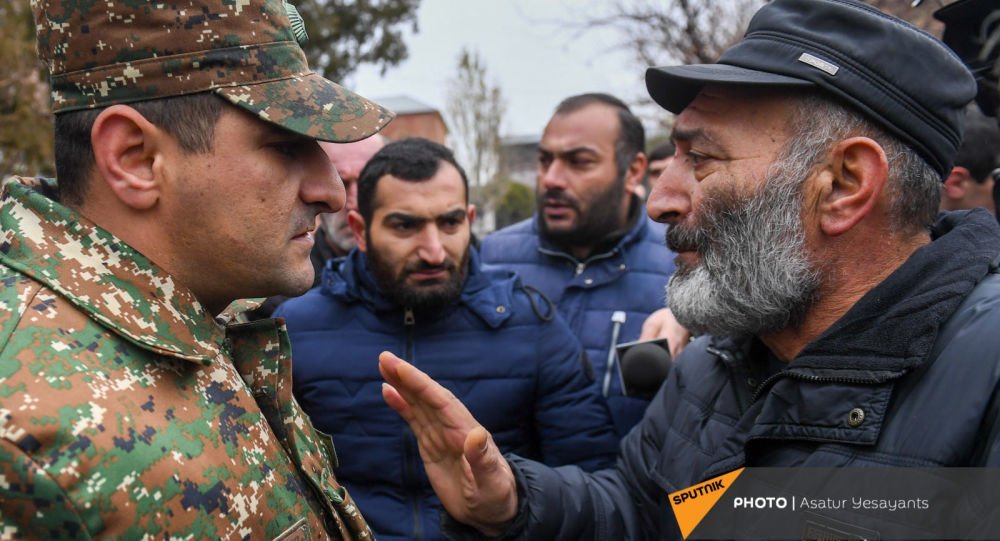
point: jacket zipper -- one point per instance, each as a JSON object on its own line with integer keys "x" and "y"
{"x": 410, "y": 478}
{"x": 580, "y": 265}
{"x": 409, "y": 321}
{"x": 805, "y": 377}
{"x": 728, "y": 359}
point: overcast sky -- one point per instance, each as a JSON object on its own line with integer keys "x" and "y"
{"x": 527, "y": 50}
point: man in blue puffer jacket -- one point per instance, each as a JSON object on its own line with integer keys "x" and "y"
{"x": 845, "y": 323}
{"x": 590, "y": 247}
{"x": 415, "y": 287}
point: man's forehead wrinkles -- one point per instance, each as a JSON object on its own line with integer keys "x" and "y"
{"x": 698, "y": 135}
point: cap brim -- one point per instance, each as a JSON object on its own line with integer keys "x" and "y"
{"x": 312, "y": 106}
{"x": 674, "y": 87}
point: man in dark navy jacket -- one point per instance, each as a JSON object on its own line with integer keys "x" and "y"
{"x": 589, "y": 247}
{"x": 844, "y": 324}
{"x": 414, "y": 286}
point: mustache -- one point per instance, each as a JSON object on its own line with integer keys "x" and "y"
{"x": 423, "y": 266}
{"x": 686, "y": 238}
{"x": 559, "y": 196}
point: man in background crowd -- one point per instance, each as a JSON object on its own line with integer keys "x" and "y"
{"x": 972, "y": 181}
{"x": 658, "y": 160}
{"x": 414, "y": 286}
{"x": 334, "y": 237}
{"x": 589, "y": 247}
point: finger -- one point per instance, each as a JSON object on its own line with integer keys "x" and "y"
{"x": 424, "y": 404}
{"x": 387, "y": 363}
{"x": 401, "y": 397}
{"x": 416, "y": 386}
{"x": 656, "y": 325}
{"x": 678, "y": 343}
{"x": 650, "y": 330}
{"x": 397, "y": 402}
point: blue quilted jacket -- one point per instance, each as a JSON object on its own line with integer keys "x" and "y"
{"x": 630, "y": 277}
{"x": 517, "y": 368}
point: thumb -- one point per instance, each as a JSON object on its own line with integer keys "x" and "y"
{"x": 492, "y": 498}
{"x": 480, "y": 451}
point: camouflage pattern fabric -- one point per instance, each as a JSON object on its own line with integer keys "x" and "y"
{"x": 127, "y": 411}
{"x": 102, "y": 53}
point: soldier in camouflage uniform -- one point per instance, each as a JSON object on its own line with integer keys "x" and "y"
{"x": 133, "y": 403}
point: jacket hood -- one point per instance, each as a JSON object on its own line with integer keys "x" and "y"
{"x": 487, "y": 293}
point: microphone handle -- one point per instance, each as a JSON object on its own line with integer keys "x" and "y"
{"x": 610, "y": 366}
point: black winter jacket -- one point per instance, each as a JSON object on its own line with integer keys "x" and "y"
{"x": 919, "y": 355}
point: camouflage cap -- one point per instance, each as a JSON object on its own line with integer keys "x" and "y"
{"x": 102, "y": 53}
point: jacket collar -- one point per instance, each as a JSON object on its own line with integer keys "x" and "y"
{"x": 634, "y": 233}
{"x": 101, "y": 275}
{"x": 484, "y": 292}
{"x": 893, "y": 327}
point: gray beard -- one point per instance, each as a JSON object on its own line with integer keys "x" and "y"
{"x": 754, "y": 276}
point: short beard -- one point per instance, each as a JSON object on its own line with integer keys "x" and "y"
{"x": 428, "y": 299}
{"x": 593, "y": 223}
{"x": 754, "y": 276}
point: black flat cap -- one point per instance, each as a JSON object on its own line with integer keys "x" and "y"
{"x": 899, "y": 76}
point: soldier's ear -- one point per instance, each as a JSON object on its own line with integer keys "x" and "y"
{"x": 357, "y": 224}
{"x": 128, "y": 155}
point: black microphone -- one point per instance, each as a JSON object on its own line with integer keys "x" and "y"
{"x": 644, "y": 366}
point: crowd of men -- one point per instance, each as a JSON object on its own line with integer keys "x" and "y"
{"x": 474, "y": 390}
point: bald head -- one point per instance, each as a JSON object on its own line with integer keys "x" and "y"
{"x": 349, "y": 159}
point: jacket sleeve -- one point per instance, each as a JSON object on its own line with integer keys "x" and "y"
{"x": 572, "y": 419}
{"x": 33, "y": 505}
{"x": 623, "y": 503}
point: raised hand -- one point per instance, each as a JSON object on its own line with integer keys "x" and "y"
{"x": 464, "y": 465}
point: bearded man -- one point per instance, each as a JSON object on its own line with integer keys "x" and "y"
{"x": 414, "y": 286}
{"x": 589, "y": 247}
{"x": 845, "y": 324}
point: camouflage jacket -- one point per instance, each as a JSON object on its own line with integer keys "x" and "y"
{"x": 127, "y": 411}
